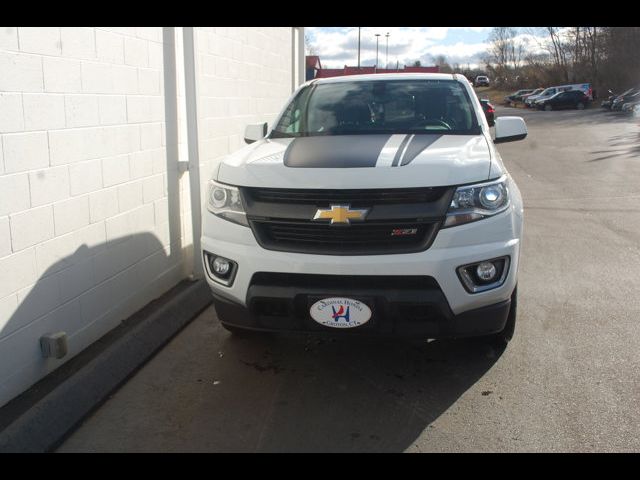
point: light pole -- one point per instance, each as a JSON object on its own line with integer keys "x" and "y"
{"x": 377, "y": 38}
{"x": 386, "y": 65}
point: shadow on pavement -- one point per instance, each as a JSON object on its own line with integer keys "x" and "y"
{"x": 208, "y": 391}
{"x": 338, "y": 394}
{"x": 629, "y": 143}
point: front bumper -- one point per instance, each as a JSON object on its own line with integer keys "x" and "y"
{"x": 394, "y": 313}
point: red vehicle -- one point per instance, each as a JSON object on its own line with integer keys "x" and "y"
{"x": 489, "y": 111}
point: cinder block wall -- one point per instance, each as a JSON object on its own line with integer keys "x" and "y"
{"x": 94, "y": 220}
{"x": 244, "y": 77}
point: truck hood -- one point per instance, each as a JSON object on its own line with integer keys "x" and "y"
{"x": 360, "y": 161}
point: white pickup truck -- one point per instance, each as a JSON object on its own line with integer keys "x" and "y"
{"x": 376, "y": 204}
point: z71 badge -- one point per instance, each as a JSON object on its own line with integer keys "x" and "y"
{"x": 399, "y": 232}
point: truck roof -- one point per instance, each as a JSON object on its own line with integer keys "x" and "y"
{"x": 389, "y": 76}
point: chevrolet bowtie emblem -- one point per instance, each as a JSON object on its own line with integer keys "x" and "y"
{"x": 340, "y": 214}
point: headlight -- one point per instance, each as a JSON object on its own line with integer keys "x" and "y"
{"x": 475, "y": 202}
{"x": 224, "y": 201}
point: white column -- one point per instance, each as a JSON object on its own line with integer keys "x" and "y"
{"x": 191, "y": 96}
{"x": 301, "y": 59}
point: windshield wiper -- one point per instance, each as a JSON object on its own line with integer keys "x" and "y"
{"x": 277, "y": 134}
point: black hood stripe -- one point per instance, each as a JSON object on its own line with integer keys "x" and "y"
{"x": 336, "y": 151}
{"x": 355, "y": 151}
{"x": 419, "y": 143}
{"x": 389, "y": 151}
{"x": 400, "y": 150}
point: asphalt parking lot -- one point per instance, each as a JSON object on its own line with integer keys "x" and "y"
{"x": 569, "y": 380}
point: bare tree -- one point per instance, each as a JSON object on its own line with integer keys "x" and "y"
{"x": 606, "y": 57}
{"x": 591, "y": 40}
{"x": 498, "y": 53}
{"x": 558, "y": 47}
{"x": 310, "y": 47}
{"x": 505, "y": 53}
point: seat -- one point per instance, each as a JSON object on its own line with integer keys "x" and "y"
{"x": 431, "y": 104}
{"x": 353, "y": 113}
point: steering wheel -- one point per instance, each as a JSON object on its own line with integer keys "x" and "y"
{"x": 436, "y": 121}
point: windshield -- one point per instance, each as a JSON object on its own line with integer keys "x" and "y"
{"x": 379, "y": 106}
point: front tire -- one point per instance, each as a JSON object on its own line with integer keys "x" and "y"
{"x": 548, "y": 108}
{"x": 580, "y": 106}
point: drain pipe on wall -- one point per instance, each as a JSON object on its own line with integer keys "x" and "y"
{"x": 193, "y": 147}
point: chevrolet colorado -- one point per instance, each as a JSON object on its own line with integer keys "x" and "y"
{"x": 375, "y": 204}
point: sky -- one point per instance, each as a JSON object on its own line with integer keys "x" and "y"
{"x": 338, "y": 46}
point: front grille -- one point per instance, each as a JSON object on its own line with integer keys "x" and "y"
{"x": 282, "y": 219}
{"x": 354, "y": 239}
{"x": 354, "y": 197}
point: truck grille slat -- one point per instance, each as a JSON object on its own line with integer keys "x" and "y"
{"x": 322, "y": 197}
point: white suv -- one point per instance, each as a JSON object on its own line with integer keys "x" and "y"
{"x": 482, "y": 81}
{"x": 376, "y": 204}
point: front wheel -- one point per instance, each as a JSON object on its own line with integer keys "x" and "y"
{"x": 580, "y": 106}
{"x": 548, "y": 108}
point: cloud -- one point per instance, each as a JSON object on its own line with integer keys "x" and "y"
{"x": 464, "y": 45}
{"x": 474, "y": 29}
{"x": 339, "y": 47}
{"x": 461, "y": 53}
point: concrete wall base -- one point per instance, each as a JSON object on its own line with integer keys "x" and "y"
{"x": 40, "y": 418}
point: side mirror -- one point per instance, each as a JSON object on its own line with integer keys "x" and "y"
{"x": 510, "y": 129}
{"x": 254, "y": 132}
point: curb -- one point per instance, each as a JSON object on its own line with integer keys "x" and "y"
{"x": 40, "y": 418}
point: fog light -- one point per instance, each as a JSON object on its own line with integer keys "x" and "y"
{"x": 220, "y": 269}
{"x": 486, "y": 271}
{"x": 484, "y": 275}
{"x": 221, "y": 266}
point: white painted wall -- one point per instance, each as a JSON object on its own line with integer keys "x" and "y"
{"x": 94, "y": 220}
{"x": 244, "y": 76}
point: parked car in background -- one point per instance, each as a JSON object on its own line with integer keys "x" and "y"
{"x": 482, "y": 81}
{"x": 629, "y": 106}
{"x": 561, "y": 100}
{"x": 489, "y": 111}
{"x": 517, "y": 96}
{"x": 546, "y": 93}
{"x": 609, "y": 101}
{"x": 629, "y": 96}
{"x": 549, "y": 92}
{"x": 537, "y": 91}
{"x": 584, "y": 88}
